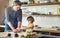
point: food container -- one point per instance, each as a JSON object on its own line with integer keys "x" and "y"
{"x": 58, "y": 10}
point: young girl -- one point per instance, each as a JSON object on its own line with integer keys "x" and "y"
{"x": 30, "y": 26}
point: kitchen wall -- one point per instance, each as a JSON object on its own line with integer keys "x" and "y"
{"x": 44, "y": 9}
{"x": 43, "y": 21}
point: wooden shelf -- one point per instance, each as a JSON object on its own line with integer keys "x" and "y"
{"x": 40, "y": 15}
{"x": 50, "y": 3}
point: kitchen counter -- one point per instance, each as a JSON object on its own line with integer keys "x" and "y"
{"x": 5, "y": 34}
{"x": 49, "y": 31}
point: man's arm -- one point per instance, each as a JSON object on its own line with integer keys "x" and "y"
{"x": 11, "y": 26}
{"x": 19, "y": 24}
{"x": 19, "y": 18}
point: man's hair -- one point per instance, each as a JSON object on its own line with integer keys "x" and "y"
{"x": 17, "y": 3}
{"x": 30, "y": 18}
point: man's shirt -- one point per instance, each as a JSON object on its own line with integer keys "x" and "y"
{"x": 13, "y": 16}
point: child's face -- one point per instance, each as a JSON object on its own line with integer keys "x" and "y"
{"x": 29, "y": 21}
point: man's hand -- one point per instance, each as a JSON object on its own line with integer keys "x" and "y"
{"x": 15, "y": 30}
{"x": 19, "y": 26}
{"x": 18, "y": 29}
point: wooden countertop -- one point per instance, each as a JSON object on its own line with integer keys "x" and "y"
{"x": 48, "y": 30}
{"x": 4, "y": 34}
{"x": 52, "y": 30}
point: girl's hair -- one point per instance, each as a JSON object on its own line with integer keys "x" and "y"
{"x": 30, "y": 18}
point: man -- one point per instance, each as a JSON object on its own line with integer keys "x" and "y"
{"x": 13, "y": 17}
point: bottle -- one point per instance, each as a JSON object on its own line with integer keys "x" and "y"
{"x": 58, "y": 10}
